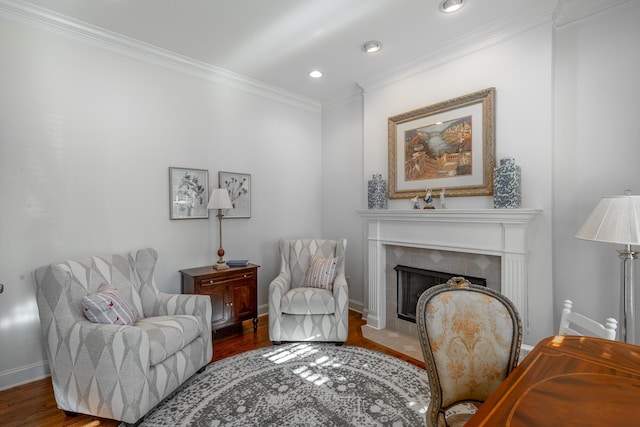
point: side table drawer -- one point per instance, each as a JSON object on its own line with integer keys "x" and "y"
{"x": 230, "y": 279}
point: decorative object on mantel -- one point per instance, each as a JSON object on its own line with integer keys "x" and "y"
{"x": 443, "y": 202}
{"x": 377, "y": 193}
{"x": 416, "y": 203}
{"x": 428, "y": 200}
{"x": 506, "y": 184}
{"x": 220, "y": 200}
{"x": 449, "y": 144}
{"x": 616, "y": 219}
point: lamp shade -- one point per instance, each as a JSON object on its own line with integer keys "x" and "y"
{"x": 616, "y": 219}
{"x": 219, "y": 199}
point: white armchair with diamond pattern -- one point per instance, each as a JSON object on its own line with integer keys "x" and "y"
{"x": 309, "y": 299}
{"x": 120, "y": 369}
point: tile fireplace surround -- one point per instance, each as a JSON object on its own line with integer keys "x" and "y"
{"x": 503, "y": 233}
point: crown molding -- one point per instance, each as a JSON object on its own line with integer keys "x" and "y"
{"x": 354, "y": 96}
{"x": 470, "y": 43}
{"x": 117, "y": 43}
{"x": 574, "y": 10}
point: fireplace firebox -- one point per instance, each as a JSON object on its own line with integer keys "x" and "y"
{"x": 412, "y": 282}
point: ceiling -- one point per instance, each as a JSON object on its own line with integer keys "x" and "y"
{"x": 278, "y": 42}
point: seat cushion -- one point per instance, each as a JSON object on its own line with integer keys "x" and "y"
{"x": 308, "y": 301}
{"x": 168, "y": 334}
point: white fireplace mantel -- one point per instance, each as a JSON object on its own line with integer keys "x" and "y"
{"x": 500, "y": 232}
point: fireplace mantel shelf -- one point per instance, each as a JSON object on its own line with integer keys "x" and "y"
{"x": 462, "y": 215}
{"x": 500, "y": 232}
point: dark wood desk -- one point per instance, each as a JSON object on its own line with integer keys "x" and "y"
{"x": 568, "y": 381}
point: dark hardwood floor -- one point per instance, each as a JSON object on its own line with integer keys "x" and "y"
{"x": 33, "y": 404}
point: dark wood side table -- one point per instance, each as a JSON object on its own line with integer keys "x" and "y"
{"x": 233, "y": 293}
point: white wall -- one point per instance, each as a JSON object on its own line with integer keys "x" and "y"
{"x": 343, "y": 188}
{"x": 520, "y": 68}
{"x": 86, "y": 139}
{"x": 597, "y": 149}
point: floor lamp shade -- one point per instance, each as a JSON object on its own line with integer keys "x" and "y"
{"x": 616, "y": 219}
{"x": 219, "y": 199}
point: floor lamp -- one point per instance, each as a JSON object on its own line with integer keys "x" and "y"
{"x": 220, "y": 200}
{"x": 616, "y": 219}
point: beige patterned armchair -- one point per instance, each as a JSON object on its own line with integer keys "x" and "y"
{"x": 470, "y": 338}
{"x": 309, "y": 299}
{"x": 112, "y": 370}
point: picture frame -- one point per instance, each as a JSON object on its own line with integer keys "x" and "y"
{"x": 449, "y": 145}
{"x": 239, "y": 187}
{"x": 188, "y": 193}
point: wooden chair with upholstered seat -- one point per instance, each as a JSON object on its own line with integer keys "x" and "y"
{"x": 470, "y": 337}
{"x": 573, "y": 323}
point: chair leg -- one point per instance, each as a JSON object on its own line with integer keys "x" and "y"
{"x": 136, "y": 424}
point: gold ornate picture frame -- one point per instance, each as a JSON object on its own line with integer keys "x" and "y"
{"x": 449, "y": 145}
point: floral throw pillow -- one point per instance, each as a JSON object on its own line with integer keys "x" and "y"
{"x": 321, "y": 273}
{"x": 108, "y": 306}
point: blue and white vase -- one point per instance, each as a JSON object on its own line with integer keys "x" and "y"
{"x": 377, "y": 194}
{"x": 506, "y": 184}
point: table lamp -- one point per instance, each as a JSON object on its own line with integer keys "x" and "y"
{"x": 219, "y": 199}
{"x": 616, "y": 219}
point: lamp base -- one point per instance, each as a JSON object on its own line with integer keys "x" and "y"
{"x": 627, "y": 296}
{"x": 220, "y": 265}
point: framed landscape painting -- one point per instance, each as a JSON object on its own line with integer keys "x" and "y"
{"x": 188, "y": 193}
{"x": 449, "y": 145}
{"x": 239, "y": 187}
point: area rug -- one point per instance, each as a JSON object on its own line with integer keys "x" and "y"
{"x": 303, "y": 384}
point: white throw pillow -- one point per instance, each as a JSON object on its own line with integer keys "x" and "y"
{"x": 108, "y": 306}
{"x": 321, "y": 273}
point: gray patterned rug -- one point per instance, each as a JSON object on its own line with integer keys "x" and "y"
{"x": 303, "y": 384}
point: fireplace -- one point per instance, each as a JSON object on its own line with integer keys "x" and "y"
{"x": 412, "y": 282}
{"x": 501, "y": 233}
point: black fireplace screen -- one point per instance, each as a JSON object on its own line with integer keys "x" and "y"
{"x": 412, "y": 282}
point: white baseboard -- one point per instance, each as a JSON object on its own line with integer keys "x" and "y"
{"x": 24, "y": 374}
{"x": 356, "y": 306}
{"x": 263, "y": 310}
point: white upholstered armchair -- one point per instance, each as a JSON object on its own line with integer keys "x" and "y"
{"x": 309, "y": 299}
{"x": 119, "y": 371}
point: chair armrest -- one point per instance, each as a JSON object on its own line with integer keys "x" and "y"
{"x": 277, "y": 288}
{"x": 340, "y": 283}
{"x": 341, "y": 292}
{"x": 117, "y": 354}
{"x": 190, "y": 304}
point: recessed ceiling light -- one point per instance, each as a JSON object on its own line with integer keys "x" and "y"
{"x": 316, "y": 74}
{"x": 449, "y": 6}
{"x": 371, "y": 46}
